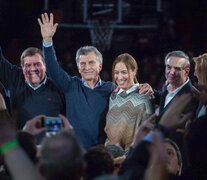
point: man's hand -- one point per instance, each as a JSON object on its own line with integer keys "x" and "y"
{"x": 47, "y": 26}
{"x": 144, "y": 129}
{"x": 2, "y": 103}
{"x": 33, "y": 126}
{"x": 145, "y": 89}
{"x": 156, "y": 169}
{"x": 66, "y": 125}
{"x": 172, "y": 117}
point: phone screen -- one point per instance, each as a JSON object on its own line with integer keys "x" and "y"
{"x": 52, "y": 124}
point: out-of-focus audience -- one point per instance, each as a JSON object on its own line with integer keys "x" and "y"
{"x": 61, "y": 157}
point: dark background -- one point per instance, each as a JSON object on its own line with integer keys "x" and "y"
{"x": 181, "y": 24}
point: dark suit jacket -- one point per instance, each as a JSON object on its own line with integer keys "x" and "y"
{"x": 188, "y": 88}
{"x": 191, "y": 107}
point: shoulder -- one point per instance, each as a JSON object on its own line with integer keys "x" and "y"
{"x": 140, "y": 97}
{"x": 107, "y": 85}
{"x": 189, "y": 88}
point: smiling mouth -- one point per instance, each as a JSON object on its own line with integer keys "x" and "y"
{"x": 171, "y": 77}
{"x": 88, "y": 72}
{"x": 121, "y": 84}
{"x": 35, "y": 74}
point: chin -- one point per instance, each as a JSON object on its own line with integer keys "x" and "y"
{"x": 35, "y": 83}
{"x": 123, "y": 87}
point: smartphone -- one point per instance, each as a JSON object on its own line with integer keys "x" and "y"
{"x": 52, "y": 124}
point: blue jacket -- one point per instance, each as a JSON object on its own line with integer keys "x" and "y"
{"x": 85, "y": 108}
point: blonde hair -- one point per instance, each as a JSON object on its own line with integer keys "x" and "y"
{"x": 129, "y": 62}
{"x": 201, "y": 68}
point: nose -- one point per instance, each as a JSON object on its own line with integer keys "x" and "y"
{"x": 87, "y": 66}
{"x": 33, "y": 67}
{"x": 119, "y": 77}
{"x": 172, "y": 70}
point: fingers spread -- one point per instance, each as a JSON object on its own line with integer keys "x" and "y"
{"x": 46, "y": 17}
{"x": 39, "y": 21}
{"x": 43, "y": 18}
{"x": 51, "y": 18}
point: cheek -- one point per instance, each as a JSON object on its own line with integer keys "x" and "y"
{"x": 80, "y": 69}
{"x": 25, "y": 71}
{"x": 167, "y": 72}
{"x": 126, "y": 77}
{"x": 115, "y": 77}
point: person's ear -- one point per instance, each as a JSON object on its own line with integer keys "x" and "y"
{"x": 179, "y": 170}
{"x": 100, "y": 67}
{"x": 187, "y": 70}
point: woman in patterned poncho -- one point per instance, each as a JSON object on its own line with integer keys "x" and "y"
{"x": 127, "y": 108}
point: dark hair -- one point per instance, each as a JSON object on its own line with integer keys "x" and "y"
{"x": 61, "y": 157}
{"x": 179, "y": 156}
{"x": 31, "y": 51}
{"x": 99, "y": 161}
{"x": 115, "y": 150}
{"x": 129, "y": 62}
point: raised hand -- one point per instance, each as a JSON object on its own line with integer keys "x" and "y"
{"x": 66, "y": 125}
{"x": 172, "y": 117}
{"x": 33, "y": 126}
{"x": 2, "y": 103}
{"x": 47, "y": 26}
{"x": 156, "y": 169}
{"x": 144, "y": 129}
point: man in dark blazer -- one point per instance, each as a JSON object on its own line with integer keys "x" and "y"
{"x": 177, "y": 68}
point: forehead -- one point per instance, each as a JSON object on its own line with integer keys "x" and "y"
{"x": 120, "y": 66}
{"x": 91, "y": 56}
{"x": 175, "y": 61}
{"x": 33, "y": 59}
{"x": 169, "y": 146}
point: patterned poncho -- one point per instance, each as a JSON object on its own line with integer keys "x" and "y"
{"x": 127, "y": 110}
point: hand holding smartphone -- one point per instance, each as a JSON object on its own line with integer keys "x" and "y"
{"x": 52, "y": 124}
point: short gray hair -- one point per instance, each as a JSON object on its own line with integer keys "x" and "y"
{"x": 180, "y": 54}
{"x": 87, "y": 49}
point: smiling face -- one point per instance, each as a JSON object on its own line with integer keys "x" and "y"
{"x": 34, "y": 69}
{"x": 89, "y": 67}
{"x": 123, "y": 77}
{"x": 175, "y": 71}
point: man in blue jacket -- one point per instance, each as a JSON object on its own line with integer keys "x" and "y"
{"x": 87, "y": 98}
